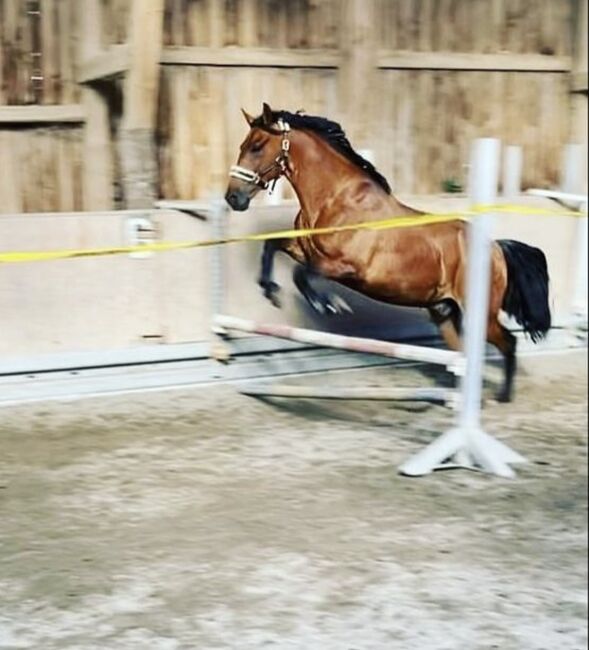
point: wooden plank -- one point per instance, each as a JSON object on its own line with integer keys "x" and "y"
{"x": 3, "y": 47}
{"x": 578, "y": 82}
{"x": 250, "y": 57}
{"x": 97, "y": 158}
{"x": 216, "y": 11}
{"x": 182, "y": 141}
{"x": 64, "y": 172}
{"x": 50, "y": 64}
{"x": 216, "y": 133}
{"x": 110, "y": 63}
{"x": 581, "y": 45}
{"x": 469, "y": 61}
{"x": 357, "y": 73}
{"x": 325, "y": 58}
{"x": 247, "y": 23}
{"x": 59, "y": 113}
{"x": 67, "y": 30}
{"x": 10, "y": 178}
{"x": 89, "y": 21}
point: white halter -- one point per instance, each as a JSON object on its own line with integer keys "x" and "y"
{"x": 281, "y": 161}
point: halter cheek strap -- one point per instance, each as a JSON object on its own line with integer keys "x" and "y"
{"x": 281, "y": 161}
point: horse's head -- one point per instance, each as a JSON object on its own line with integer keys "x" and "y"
{"x": 263, "y": 157}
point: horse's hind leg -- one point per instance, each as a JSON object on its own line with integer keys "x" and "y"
{"x": 322, "y": 302}
{"x": 447, "y": 316}
{"x": 506, "y": 343}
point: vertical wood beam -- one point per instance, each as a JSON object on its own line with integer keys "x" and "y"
{"x": 579, "y": 102}
{"x": 216, "y": 14}
{"x": 140, "y": 101}
{"x": 247, "y": 23}
{"x": 97, "y": 163}
{"x": 357, "y": 75}
{"x": 581, "y": 46}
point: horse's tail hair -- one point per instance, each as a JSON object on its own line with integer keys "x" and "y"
{"x": 526, "y": 296}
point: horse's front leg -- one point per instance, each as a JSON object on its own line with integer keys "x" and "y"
{"x": 270, "y": 288}
{"x": 293, "y": 249}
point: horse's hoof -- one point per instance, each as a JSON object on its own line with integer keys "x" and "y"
{"x": 317, "y": 306}
{"x": 274, "y": 300}
{"x": 331, "y": 304}
{"x": 271, "y": 290}
{"x": 503, "y": 397}
{"x": 328, "y": 304}
{"x": 341, "y": 305}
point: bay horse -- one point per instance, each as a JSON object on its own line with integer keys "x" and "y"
{"x": 417, "y": 266}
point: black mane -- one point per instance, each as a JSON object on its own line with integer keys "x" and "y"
{"x": 333, "y": 134}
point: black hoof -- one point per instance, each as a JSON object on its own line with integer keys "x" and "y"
{"x": 503, "y": 398}
{"x": 328, "y": 304}
{"x": 270, "y": 290}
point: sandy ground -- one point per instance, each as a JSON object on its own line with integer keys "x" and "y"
{"x": 207, "y": 520}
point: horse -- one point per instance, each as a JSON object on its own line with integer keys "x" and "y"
{"x": 417, "y": 266}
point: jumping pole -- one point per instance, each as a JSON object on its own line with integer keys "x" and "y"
{"x": 449, "y": 358}
{"x": 467, "y": 445}
{"x": 433, "y": 395}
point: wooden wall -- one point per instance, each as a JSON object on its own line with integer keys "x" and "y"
{"x": 423, "y": 119}
{"x": 41, "y": 169}
{"x": 49, "y": 33}
{"x": 40, "y": 159}
{"x": 416, "y": 82}
{"x": 253, "y": 23}
{"x": 478, "y": 26}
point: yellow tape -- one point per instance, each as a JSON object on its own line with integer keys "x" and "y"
{"x": 383, "y": 224}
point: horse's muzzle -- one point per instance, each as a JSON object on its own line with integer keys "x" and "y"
{"x": 237, "y": 200}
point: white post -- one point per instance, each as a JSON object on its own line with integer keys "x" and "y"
{"x": 581, "y": 285}
{"x": 483, "y": 191}
{"x": 218, "y": 217}
{"x": 219, "y": 210}
{"x": 467, "y": 443}
{"x": 572, "y": 182}
{"x": 512, "y": 172}
{"x": 572, "y": 169}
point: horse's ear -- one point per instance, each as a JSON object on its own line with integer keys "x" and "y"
{"x": 267, "y": 115}
{"x": 248, "y": 118}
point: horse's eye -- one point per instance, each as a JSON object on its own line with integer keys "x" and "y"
{"x": 257, "y": 147}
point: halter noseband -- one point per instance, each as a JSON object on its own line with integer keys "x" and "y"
{"x": 281, "y": 161}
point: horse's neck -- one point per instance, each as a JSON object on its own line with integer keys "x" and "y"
{"x": 323, "y": 179}
{"x": 402, "y": 209}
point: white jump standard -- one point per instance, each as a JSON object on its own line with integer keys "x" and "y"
{"x": 467, "y": 445}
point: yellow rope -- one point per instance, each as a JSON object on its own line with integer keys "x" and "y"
{"x": 383, "y": 224}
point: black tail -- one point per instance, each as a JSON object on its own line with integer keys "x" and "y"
{"x": 526, "y": 297}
